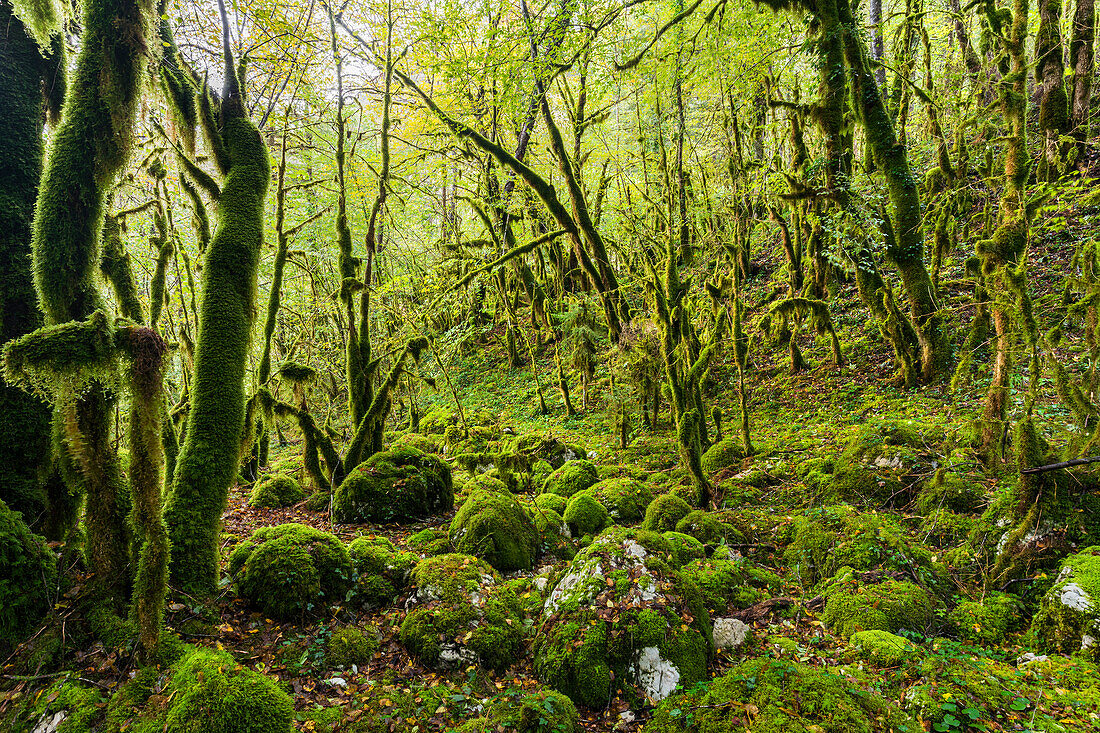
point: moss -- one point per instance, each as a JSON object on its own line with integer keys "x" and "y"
{"x": 584, "y": 515}
{"x": 554, "y": 537}
{"x": 28, "y": 577}
{"x": 460, "y": 614}
{"x": 544, "y": 711}
{"x": 950, "y": 491}
{"x": 774, "y": 695}
{"x": 400, "y": 485}
{"x": 275, "y": 492}
{"x": 430, "y": 542}
{"x": 1067, "y": 621}
{"x": 552, "y": 502}
{"x": 987, "y": 621}
{"x": 291, "y": 570}
{"x": 858, "y": 484}
{"x": 318, "y": 501}
{"x": 881, "y": 647}
{"x": 422, "y": 443}
{"x": 619, "y": 612}
{"x": 707, "y": 528}
{"x": 436, "y": 420}
{"x": 493, "y": 526}
{"x": 685, "y": 548}
{"x": 665, "y": 512}
{"x": 725, "y": 580}
{"x": 891, "y": 605}
{"x": 380, "y": 570}
{"x": 722, "y": 455}
{"x": 485, "y": 482}
{"x": 571, "y": 478}
{"x": 625, "y": 499}
{"x": 348, "y": 646}
{"x": 79, "y": 707}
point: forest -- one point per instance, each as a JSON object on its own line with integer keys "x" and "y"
{"x": 643, "y": 366}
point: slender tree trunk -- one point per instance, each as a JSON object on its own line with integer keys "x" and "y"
{"x": 1081, "y": 58}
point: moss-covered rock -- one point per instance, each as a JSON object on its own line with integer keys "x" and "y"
{"x": 430, "y": 542}
{"x": 554, "y": 502}
{"x": 899, "y": 445}
{"x": 437, "y": 420}
{"x": 625, "y": 499}
{"x": 571, "y": 478}
{"x": 707, "y": 528}
{"x": 728, "y": 579}
{"x": 349, "y": 645}
{"x": 381, "y": 571}
{"x": 544, "y": 711}
{"x": 617, "y": 621}
{"x": 775, "y": 696}
{"x": 399, "y": 485}
{"x": 891, "y": 605}
{"x": 28, "y": 572}
{"x": 665, "y": 512}
{"x": 275, "y": 492}
{"x": 584, "y": 515}
{"x": 486, "y": 482}
{"x": 722, "y": 455}
{"x": 554, "y": 537}
{"x": 986, "y": 621}
{"x": 493, "y": 526}
{"x": 952, "y": 492}
{"x": 685, "y": 548}
{"x": 536, "y": 448}
{"x": 881, "y": 647}
{"x": 1068, "y": 620}
{"x": 291, "y": 570}
{"x": 422, "y": 443}
{"x": 461, "y": 614}
{"x": 824, "y": 540}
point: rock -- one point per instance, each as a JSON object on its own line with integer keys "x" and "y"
{"x": 1068, "y": 620}
{"x": 881, "y": 647}
{"x": 571, "y": 478}
{"x": 400, "y": 485}
{"x": 336, "y": 682}
{"x": 493, "y": 526}
{"x": 730, "y": 633}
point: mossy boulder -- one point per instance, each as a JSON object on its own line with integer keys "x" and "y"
{"x": 881, "y": 648}
{"x": 486, "y": 482}
{"x": 544, "y": 711}
{"x": 422, "y": 443}
{"x": 437, "y": 420}
{"x": 430, "y": 542}
{"x": 1068, "y": 620}
{"x": 986, "y": 621}
{"x": 400, "y": 485}
{"x": 554, "y": 537}
{"x": 824, "y": 540}
{"x": 381, "y": 571}
{"x": 891, "y": 605}
{"x": 665, "y": 512}
{"x": 722, "y": 455}
{"x": 707, "y": 528}
{"x": 625, "y": 499}
{"x": 554, "y": 502}
{"x": 349, "y": 645}
{"x": 685, "y": 548}
{"x": 276, "y": 492}
{"x": 493, "y": 526}
{"x": 461, "y": 614}
{"x": 768, "y": 695}
{"x": 571, "y": 478}
{"x": 584, "y": 515}
{"x": 535, "y": 448}
{"x": 28, "y": 572}
{"x": 950, "y": 491}
{"x": 621, "y": 619}
{"x": 898, "y": 445}
{"x": 291, "y": 570}
{"x": 727, "y": 579}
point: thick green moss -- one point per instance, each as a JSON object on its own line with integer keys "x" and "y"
{"x": 28, "y": 578}
{"x": 685, "y": 548}
{"x": 617, "y": 621}
{"x": 381, "y": 571}
{"x": 584, "y": 515}
{"x": 430, "y": 542}
{"x": 707, "y": 528}
{"x": 726, "y": 579}
{"x": 552, "y": 502}
{"x": 400, "y": 485}
{"x": 722, "y": 455}
{"x": 349, "y": 645}
{"x": 625, "y": 499}
{"x": 776, "y": 696}
{"x": 665, "y": 512}
{"x": 570, "y": 478}
{"x": 881, "y": 647}
{"x": 291, "y": 570}
{"x": 275, "y": 492}
{"x": 493, "y": 526}
{"x": 462, "y": 614}
{"x": 1068, "y": 620}
{"x": 891, "y": 605}
{"x": 953, "y": 492}
{"x": 485, "y": 482}
{"x": 422, "y": 443}
{"x": 553, "y": 532}
{"x": 987, "y": 621}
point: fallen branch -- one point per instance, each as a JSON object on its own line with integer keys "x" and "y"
{"x": 1063, "y": 464}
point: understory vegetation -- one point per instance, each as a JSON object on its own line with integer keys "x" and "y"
{"x": 679, "y": 367}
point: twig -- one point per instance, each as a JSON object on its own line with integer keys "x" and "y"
{"x": 1063, "y": 464}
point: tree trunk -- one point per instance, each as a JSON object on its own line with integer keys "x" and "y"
{"x": 1081, "y": 57}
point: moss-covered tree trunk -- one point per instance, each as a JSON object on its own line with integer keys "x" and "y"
{"x": 208, "y": 460}
{"x": 87, "y": 152}
{"x": 1081, "y": 58}
{"x": 24, "y": 419}
{"x": 1053, "y": 103}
